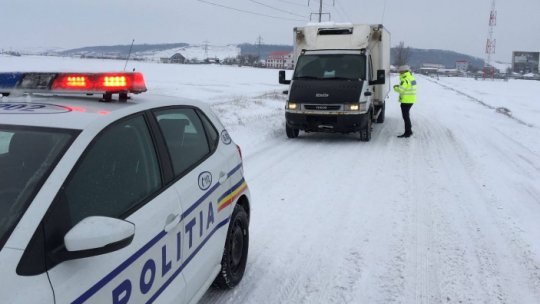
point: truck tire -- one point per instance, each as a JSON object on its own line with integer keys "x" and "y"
{"x": 380, "y": 118}
{"x": 365, "y": 133}
{"x": 291, "y": 132}
{"x": 233, "y": 262}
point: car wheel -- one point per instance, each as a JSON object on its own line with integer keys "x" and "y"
{"x": 233, "y": 262}
{"x": 291, "y": 132}
{"x": 365, "y": 133}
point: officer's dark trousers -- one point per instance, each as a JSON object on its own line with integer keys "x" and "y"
{"x": 405, "y": 109}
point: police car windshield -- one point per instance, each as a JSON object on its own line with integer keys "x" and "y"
{"x": 334, "y": 66}
{"x": 27, "y": 156}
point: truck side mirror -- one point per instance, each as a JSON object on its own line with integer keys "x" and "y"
{"x": 381, "y": 78}
{"x": 282, "y": 79}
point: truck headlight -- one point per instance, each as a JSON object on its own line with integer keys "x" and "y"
{"x": 291, "y": 106}
{"x": 352, "y": 107}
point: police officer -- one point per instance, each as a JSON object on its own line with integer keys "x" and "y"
{"x": 407, "y": 96}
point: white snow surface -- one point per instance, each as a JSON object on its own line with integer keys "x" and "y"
{"x": 450, "y": 215}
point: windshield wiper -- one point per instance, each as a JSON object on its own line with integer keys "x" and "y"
{"x": 307, "y": 77}
{"x": 341, "y": 78}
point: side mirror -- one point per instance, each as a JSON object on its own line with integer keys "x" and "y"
{"x": 282, "y": 79}
{"x": 286, "y": 92}
{"x": 96, "y": 235}
{"x": 367, "y": 93}
{"x": 381, "y": 78}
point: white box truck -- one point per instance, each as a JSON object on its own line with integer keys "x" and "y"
{"x": 339, "y": 82}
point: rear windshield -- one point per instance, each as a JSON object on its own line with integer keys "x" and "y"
{"x": 27, "y": 156}
{"x": 335, "y": 66}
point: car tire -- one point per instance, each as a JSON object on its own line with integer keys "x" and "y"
{"x": 291, "y": 132}
{"x": 365, "y": 133}
{"x": 233, "y": 262}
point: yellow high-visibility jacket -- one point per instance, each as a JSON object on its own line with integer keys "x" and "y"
{"x": 406, "y": 88}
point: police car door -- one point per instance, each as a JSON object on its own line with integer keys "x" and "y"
{"x": 202, "y": 179}
{"x": 118, "y": 177}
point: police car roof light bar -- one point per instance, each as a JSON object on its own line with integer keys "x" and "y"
{"x": 79, "y": 83}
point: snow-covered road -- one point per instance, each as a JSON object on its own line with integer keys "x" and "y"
{"x": 451, "y": 215}
{"x": 448, "y": 216}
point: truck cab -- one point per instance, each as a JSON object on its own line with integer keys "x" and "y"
{"x": 338, "y": 85}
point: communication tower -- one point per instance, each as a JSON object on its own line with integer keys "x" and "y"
{"x": 491, "y": 42}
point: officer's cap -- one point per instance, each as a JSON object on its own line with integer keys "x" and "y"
{"x": 404, "y": 68}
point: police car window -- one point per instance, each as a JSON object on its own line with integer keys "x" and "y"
{"x": 213, "y": 136}
{"x": 116, "y": 174}
{"x": 27, "y": 156}
{"x": 185, "y": 137}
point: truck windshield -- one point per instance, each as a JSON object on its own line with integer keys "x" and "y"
{"x": 334, "y": 66}
{"x": 27, "y": 156}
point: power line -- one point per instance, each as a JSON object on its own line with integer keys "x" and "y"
{"x": 277, "y": 9}
{"x": 335, "y": 9}
{"x": 290, "y": 2}
{"x": 247, "y": 12}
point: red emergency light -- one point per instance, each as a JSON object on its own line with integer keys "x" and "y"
{"x": 106, "y": 83}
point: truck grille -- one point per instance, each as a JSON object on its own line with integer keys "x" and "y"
{"x": 322, "y": 107}
{"x": 321, "y": 119}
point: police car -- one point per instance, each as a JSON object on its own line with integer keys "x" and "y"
{"x": 128, "y": 200}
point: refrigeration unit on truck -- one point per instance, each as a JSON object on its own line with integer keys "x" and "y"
{"x": 339, "y": 82}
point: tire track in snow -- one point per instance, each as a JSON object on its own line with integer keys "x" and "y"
{"x": 501, "y": 110}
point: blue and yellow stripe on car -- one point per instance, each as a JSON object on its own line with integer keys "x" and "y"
{"x": 232, "y": 194}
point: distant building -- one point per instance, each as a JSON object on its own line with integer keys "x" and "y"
{"x": 525, "y": 62}
{"x": 462, "y": 66}
{"x": 430, "y": 68}
{"x": 176, "y": 58}
{"x": 433, "y": 66}
{"x": 279, "y": 60}
{"x": 214, "y": 60}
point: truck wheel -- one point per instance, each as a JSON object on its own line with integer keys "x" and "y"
{"x": 365, "y": 133}
{"x": 380, "y": 119}
{"x": 291, "y": 132}
{"x": 233, "y": 262}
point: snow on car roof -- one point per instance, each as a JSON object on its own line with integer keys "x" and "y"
{"x": 77, "y": 112}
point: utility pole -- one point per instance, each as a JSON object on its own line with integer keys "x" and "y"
{"x": 205, "y": 49}
{"x": 259, "y": 43}
{"x": 320, "y": 13}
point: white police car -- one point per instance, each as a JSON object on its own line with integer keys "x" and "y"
{"x": 131, "y": 201}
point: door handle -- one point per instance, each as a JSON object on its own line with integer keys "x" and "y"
{"x": 222, "y": 177}
{"x": 172, "y": 221}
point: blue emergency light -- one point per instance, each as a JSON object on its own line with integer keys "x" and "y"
{"x": 70, "y": 83}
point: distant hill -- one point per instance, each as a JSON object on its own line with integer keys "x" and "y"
{"x": 154, "y": 51}
{"x": 417, "y": 57}
{"x": 266, "y": 49}
{"x": 122, "y": 50}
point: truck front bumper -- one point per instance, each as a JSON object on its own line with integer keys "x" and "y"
{"x": 334, "y": 123}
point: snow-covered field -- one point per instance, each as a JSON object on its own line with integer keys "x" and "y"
{"x": 191, "y": 52}
{"x": 450, "y": 215}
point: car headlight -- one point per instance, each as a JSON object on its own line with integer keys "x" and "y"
{"x": 356, "y": 107}
{"x": 292, "y": 106}
{"x": 352, "y": 107}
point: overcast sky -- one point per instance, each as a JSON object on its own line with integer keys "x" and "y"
{"x": 458, "y": 25}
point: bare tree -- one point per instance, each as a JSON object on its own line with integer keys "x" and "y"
{"x": 402, "y": 54}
